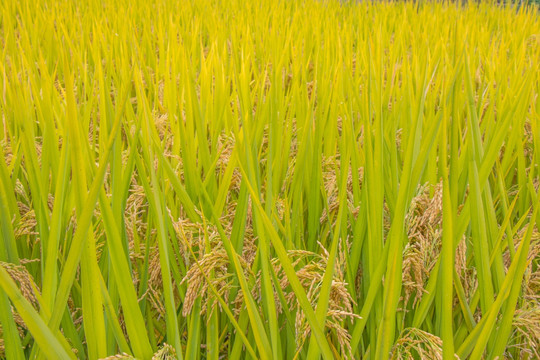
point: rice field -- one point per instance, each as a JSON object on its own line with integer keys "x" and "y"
{"x": 269, "y": 180}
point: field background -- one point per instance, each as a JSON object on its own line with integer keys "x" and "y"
{"x": 269, "y": 180}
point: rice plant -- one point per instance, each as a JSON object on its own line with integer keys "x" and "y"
{"x": 269, "y": 180}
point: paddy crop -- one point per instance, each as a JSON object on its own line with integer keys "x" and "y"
{"x": 269, "y": 180}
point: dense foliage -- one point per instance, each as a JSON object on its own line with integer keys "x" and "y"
{"x": 269, "y": 180}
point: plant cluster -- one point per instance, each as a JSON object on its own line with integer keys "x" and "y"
{"x": 265, "y": 179}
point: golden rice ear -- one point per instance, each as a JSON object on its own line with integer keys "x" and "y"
{"x": 24, "y": 279}
{"x": 5, "y": 145}
{"x": 167, "y": 352}
{"x": 310, "y": 271}
{"x": 526, "y": 324}
{"x": 123, "y": 356}
{"x": 417, "y": 344}
{"x": 424, "y": 232}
